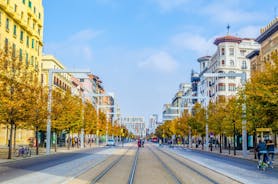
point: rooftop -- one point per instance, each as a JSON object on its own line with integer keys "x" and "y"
{"x": 227, "y": 38}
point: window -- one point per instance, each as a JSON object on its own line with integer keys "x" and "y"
{"x": 6, "y": 45}
{"x": 21, "y": 35}
{"x": 15, "y": 8}
{"x": 231, "y": 73}
{"x": 221, "y": 87}
{"x": 20, "y": 54}
{"x": 34, "y": 9}
{"x": 32, "y": 60}
{"x": 14, "y": 30}
{"x": 223, "y": 62}
{"x": 232, "y": 63}
{"x": 232, "y": 87}
{"x": 30, "y": 4}
{"x": 27, "y": 59}
{"x": 242, "y": 52}
{"x": 0, "y": 18}
{"x": 222, "y": 51}
{"x": 13, "y": 50}
{"x": 27, "y": 41}
{"x": 7, "y": 24}
{"x": 243, "y": 66}
{"x": 231, "y": 51}
{"x": 39, "y": 15}
{"x": 23, "y": 1}
{"x": 33, "y": 43}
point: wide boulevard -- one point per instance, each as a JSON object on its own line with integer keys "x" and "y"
{"x": 128, "y": 164}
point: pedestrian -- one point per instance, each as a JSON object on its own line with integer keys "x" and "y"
{"x": 270, "y": 149}
{"x": 261, "y": 148}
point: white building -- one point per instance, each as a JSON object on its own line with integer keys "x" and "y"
{"x": 153, "y": 123}
{"x": 135, "y": 125}
{"x": 174, "y": 109}
{"x": 230, "y": 57}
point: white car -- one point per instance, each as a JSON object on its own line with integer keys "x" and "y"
{"x": 110, "y": 142}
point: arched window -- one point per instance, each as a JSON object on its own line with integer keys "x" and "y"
{"x": 232, "y": 63}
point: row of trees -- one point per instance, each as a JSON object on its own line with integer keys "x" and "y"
{"x": 224, "y": 117}
{"x": 23, "y": 104}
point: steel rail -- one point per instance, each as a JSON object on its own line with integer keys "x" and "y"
{"x": 194, "y": 170}
{"x": 108, "y": 168}
{"x": 169, "y": 171}
{"x": 133, "y": 168}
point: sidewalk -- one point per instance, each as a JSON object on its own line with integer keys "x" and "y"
{"x": 42, "y": 152}
{"x": 225, "y": 153}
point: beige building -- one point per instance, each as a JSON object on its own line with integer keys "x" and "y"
{"x": 269, "y": 45}
{"x": 21, "y": 29}
{"x": 61, "y": 81}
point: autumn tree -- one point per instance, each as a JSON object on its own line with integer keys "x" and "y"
{"x": 15, "y": 76}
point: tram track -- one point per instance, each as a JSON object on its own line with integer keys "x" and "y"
{"x": 106, "y": 171}
{"x": 167, "y": 168}
{"x": 203, "y": 172}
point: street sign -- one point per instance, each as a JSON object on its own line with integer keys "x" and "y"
{"x": 263, "y": 129}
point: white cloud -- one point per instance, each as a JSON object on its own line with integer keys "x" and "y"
{"x": 76, "y": 47}
{"x": 160, "y": 61}
{"x": 249, "y": 32}
{"x": 192, "y": 42}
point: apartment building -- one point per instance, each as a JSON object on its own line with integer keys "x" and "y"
{"x": 135, "y": 125}
{"x": 230, "y": 57}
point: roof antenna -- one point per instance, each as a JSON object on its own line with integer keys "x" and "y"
{"x": 228, "y": 29}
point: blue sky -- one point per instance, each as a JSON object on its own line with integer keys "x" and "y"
{"x": 143, "y": 49}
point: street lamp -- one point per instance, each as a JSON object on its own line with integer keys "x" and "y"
{"x": 49, "y": 105}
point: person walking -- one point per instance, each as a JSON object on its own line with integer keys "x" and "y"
{"x": 261, "y": 148}
{"x": 270, "y": 151}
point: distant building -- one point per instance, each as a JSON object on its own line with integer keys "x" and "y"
{"x": 153, "y": 123}
{"x": 175, "y": 108}
{"x": 135, "y": 125}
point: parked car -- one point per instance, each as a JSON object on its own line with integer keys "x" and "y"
{"x": 110, "y": 142}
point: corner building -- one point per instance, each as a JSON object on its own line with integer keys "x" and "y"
{"x": 230, "y": 57}
{"x": 21, "y": 29}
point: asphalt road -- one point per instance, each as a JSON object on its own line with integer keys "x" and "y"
{"x": 15, "y": 169}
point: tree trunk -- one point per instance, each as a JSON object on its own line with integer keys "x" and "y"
{"x": 234, "y": 138}
{"x": 255, "y": 143}
{"x": 55, "y": 134}
{"x": 10, "y": 140}
{"x": 36, "y": 139}
{"x": 220, "y": 143}
{"x": 14, "y": 138}
{"x": 202, "y": 142}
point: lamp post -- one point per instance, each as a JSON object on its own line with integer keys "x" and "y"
{"x": 49, "y": 104}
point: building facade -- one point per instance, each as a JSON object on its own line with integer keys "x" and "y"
{"x": 230, "y": 57}
{"x": 269, "y": 45}
{"x": 21, "y": 30}
{"x": 135, "y": 125}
